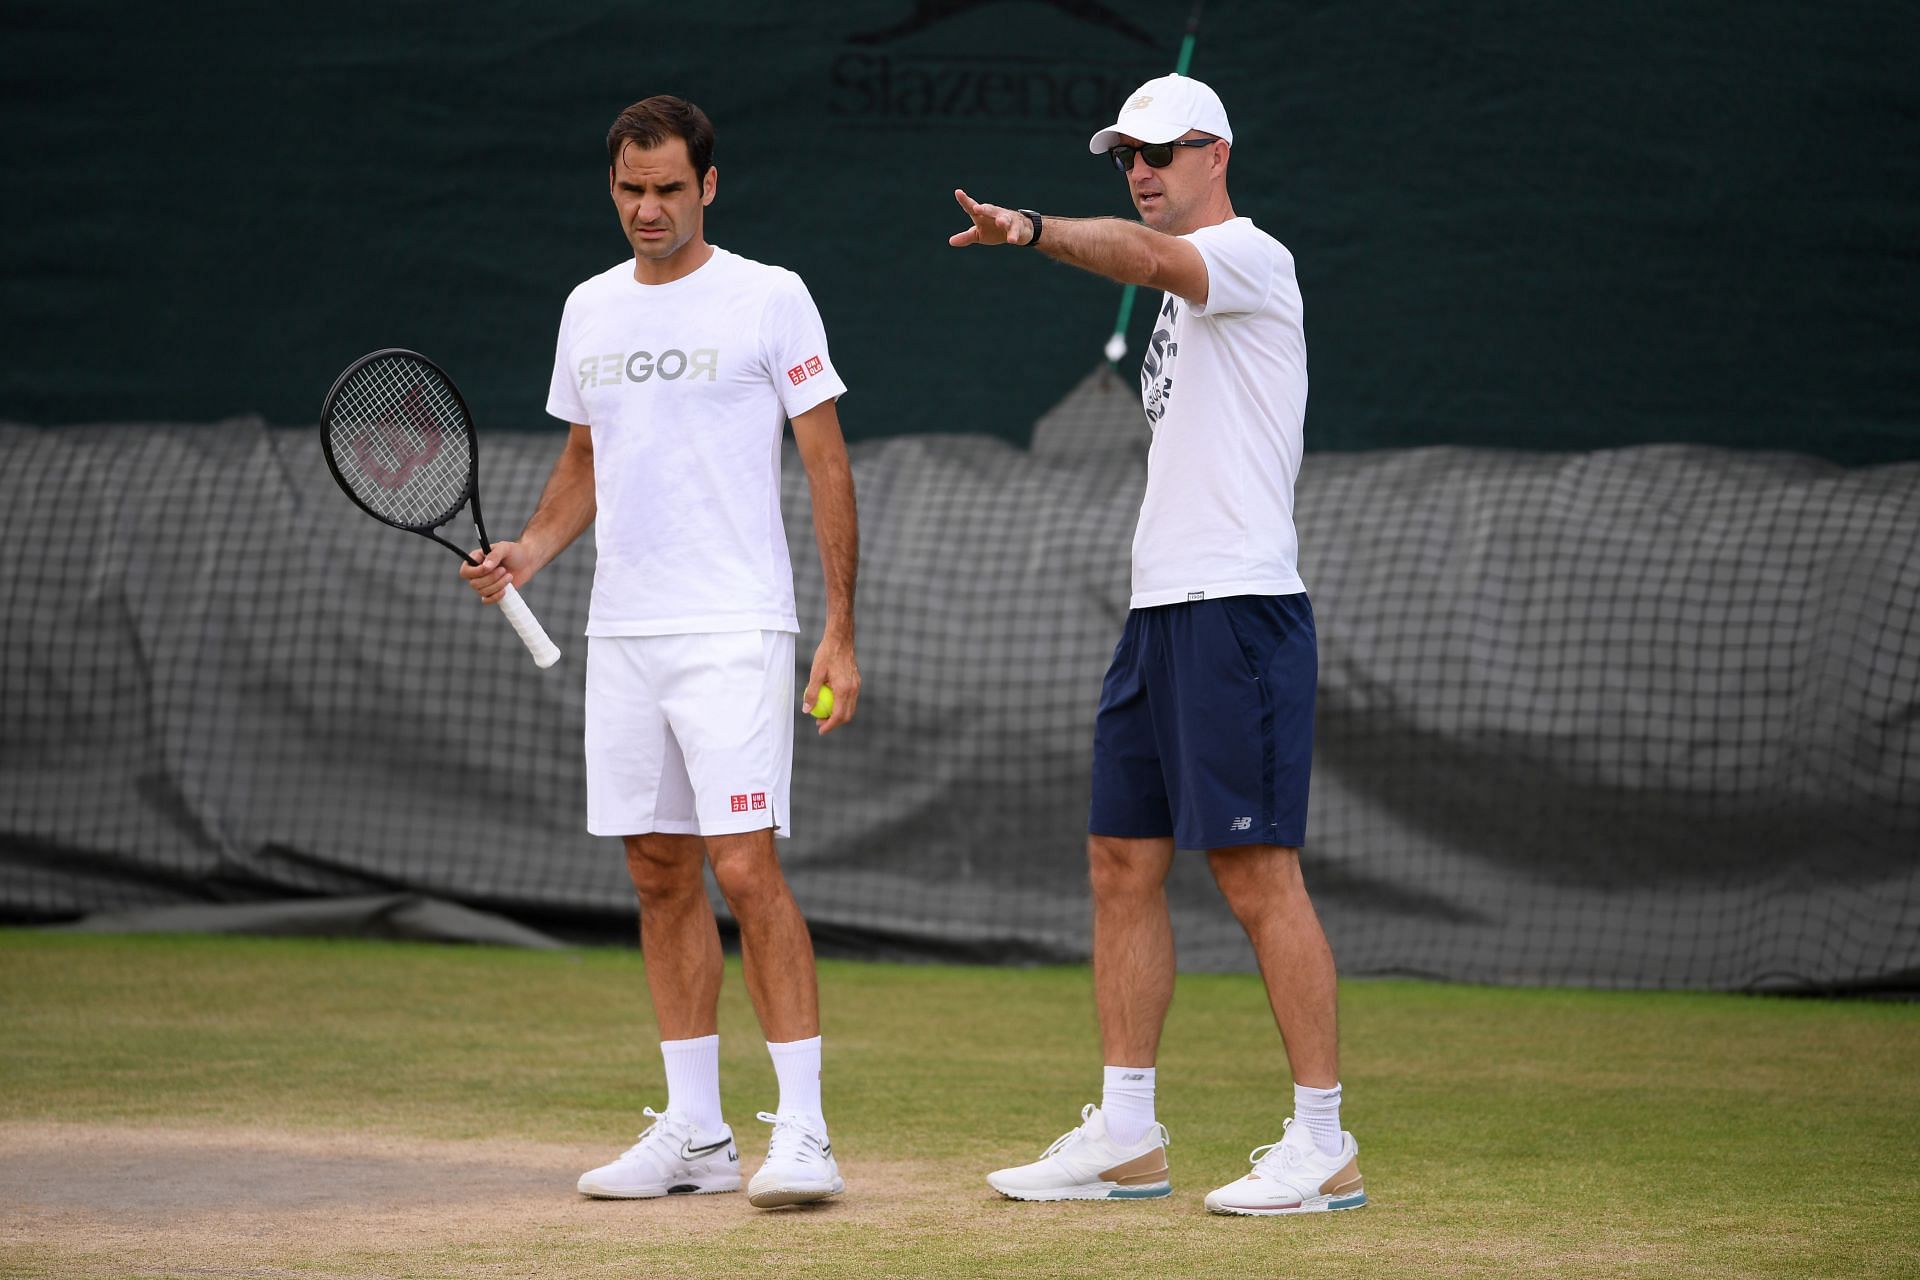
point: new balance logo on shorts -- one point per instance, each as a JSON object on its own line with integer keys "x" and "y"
{"x": 1240, "y": 824}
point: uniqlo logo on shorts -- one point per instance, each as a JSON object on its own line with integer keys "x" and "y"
{"x": 759, "y": 799}
{"x": 797, "y": 375}
{"x": 740, "y": 803}
{"x": 813, "y": 364}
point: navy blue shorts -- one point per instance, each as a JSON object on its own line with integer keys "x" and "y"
{"x": 1205, "y": 728}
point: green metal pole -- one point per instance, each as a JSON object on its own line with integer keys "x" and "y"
{"x": 1117, "y": 344}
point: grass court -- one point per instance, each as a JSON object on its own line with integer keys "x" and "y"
{"x": 222, "y": 1106}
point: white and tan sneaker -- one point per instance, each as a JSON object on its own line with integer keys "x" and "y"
{"x": 800, "y": 1167}
{"x": 1291, "y": 1176}
{"x": 1087, "y": 1164}
{"x": 671, "y": 1159}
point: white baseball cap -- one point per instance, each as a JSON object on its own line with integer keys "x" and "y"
{"x": 1163, "y": 109}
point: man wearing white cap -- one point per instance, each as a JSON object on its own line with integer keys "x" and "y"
{"x": 1204, "y": 736}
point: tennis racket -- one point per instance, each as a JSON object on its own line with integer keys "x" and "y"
{"x": 399, "y": 440}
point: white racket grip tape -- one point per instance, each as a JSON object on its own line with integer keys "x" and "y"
{"x": 545, "y": 652}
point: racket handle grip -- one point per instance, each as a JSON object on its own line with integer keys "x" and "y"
{"x": 545, "y": 652}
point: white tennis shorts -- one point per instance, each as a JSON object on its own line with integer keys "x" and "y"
{"x": 689, "y": 734}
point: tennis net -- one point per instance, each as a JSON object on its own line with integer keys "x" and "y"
{"x": 1639, "y": 718}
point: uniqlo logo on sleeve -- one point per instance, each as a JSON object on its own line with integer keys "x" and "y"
{"x": 740, "y": 803}
{"x": 759, "y": 799}
{"x": 797, "y": 375}
{"x": 814, "y": 365}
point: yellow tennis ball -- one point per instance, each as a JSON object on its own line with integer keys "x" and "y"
{"x": 823, "y": 705}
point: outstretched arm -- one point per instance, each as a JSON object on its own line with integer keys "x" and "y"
{"x": 1119, "y": 250}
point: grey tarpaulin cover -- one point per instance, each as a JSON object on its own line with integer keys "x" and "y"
{"x": 1645, "y": 717}
{"x": 393, "y": 917}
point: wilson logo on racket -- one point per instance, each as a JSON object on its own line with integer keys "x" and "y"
{"x": 408, "y": 457}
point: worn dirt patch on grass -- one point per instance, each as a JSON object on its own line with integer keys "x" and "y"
{"x": 93, "y": 1200}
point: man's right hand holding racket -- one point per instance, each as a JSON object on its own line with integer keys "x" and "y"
{"x": 566, "y": 509}
{"x": 508, "y": 565}
{"x": 399, "y": 441}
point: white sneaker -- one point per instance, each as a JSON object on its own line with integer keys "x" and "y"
{"x": 1291, "y": 1176}
{"x": 800, "y": 1167}
{"x": 671, "y": 1159}
{"x": 1087, "y": 1164}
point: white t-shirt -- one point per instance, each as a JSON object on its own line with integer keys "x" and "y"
{"x": 687, "y": 387}
{"x": 1225, "y": 389}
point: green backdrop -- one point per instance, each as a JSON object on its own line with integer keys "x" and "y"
{"x": 1537, "y": 225}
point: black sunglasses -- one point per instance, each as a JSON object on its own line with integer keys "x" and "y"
{"x": 1158, "y": 155}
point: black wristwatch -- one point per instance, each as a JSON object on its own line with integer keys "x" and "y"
{"x": 1035, "y": 219}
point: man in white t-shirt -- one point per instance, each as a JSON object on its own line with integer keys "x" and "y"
{"x": 678, "y": 369}
{"x": 1204, "y": 736}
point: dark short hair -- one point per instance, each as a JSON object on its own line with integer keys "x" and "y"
{"x": 651, "y": 121}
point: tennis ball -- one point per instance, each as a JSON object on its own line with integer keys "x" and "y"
{"x": 823, "y": 705}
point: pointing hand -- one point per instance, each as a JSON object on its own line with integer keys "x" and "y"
{"x": 991, "y": 224}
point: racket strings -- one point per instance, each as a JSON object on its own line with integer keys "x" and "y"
{"x": 400, "y": 437}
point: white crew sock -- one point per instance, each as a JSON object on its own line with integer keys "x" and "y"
{"x": 693, "y": 1080}
{"x": 1319, "y": 1110}
{"x": 797, "y": 1064}
{"x": 1126, "y": 1101}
